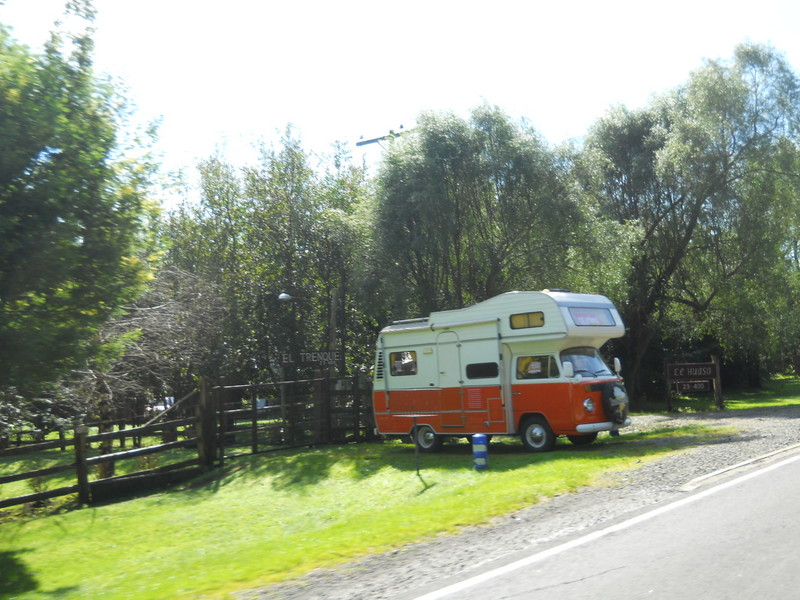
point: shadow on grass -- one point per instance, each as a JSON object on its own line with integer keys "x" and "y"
{"x": 16, "y": 577}
{"x": 301, "y": 470}
{"x": 298, "y": 470}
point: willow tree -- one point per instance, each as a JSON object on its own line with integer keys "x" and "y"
{"x": 707, "y": 174}
{"x": 471, "y": 208}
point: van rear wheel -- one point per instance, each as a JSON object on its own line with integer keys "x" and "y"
{"x": 536, "y": 435}
{"x": 426, "y": 439}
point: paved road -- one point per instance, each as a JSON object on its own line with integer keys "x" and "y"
{"x": 734, "y": 537}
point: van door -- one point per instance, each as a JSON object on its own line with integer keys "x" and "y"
{"x": 538, "y": 388}
{"x": 451, "y": 393}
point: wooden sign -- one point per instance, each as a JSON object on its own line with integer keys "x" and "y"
{"x": 689, "y": 387}
{"x": 311, "y": 358}
{"x": 695, "y": 378}
{"x": 683, "y": 372}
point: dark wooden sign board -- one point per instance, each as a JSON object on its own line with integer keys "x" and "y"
{"x": 695, "y": 378}
{"x": 689, "y": 387}
{"x": 692, "y": 371}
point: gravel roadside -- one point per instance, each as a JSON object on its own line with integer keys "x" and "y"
{"x": 396, "y": 575}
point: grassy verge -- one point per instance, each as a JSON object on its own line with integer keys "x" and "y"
{"x": 269, "y": 518}
{"x": 777, "y": 392}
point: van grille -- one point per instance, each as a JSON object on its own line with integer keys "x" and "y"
{"x": 379, "y": 366}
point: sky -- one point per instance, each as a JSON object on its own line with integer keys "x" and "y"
{"x": 223, "y": 76}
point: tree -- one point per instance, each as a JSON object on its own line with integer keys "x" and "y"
{"x": 277, "y": 227}
{"x": 469, "y": 209}
{"x": 707, "y": 174}
{"x": 168, "y": 337}
{"x": 74, "y": 219}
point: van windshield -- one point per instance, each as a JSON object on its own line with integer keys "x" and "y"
{"x": 586, "y": 361}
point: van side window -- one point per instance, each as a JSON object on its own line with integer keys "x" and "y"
{"x": 482, "y": 370}
{"x": 525, "y": 320}
{"x": 537, "y": 367}
{"x": 403, "y": 363}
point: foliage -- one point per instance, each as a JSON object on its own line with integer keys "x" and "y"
{"x": 74, "y": 219}
{"x": 684, "y": 213}
{"x": 275, "y": 228}
{"x": 707, "y": 174}
{"x": 166, "y": 338}
{"x": 469, "y": 209}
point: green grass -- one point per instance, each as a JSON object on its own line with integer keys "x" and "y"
{"x": 271, "y": 517}
{"x": 778, "y": 391}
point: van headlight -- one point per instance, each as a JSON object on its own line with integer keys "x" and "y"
{"x": 588, "y": 405}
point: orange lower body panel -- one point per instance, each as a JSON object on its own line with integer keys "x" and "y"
{"x": 453, "y": 411}
{"x": 468, "y": 410}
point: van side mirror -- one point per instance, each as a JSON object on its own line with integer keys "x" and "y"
{"x": 617, "y": 365}
{"x": 567, "y": 369}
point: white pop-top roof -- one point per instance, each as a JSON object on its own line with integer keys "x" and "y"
{"x": 561, "y": 315}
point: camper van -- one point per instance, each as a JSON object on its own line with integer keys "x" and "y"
{"x": 521, "y": 363}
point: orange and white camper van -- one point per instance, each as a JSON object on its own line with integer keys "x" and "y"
{"x": 524, "y": 363}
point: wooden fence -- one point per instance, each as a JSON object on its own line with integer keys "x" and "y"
{"x": 201, "y": 432}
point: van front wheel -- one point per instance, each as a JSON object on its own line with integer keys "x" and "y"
{"x": 582, "y": 440}
{"x": 426, "y": 439}
{"x": 536, "y": 435}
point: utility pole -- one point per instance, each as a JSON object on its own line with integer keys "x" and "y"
{"x": 389, "y": 136}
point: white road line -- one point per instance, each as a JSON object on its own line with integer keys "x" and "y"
{"x": 540, "y": 556}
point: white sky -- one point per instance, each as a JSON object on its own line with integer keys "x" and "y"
{"x": 237, "y": 71}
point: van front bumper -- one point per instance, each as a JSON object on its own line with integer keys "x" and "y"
{"x": 605, "y": 426}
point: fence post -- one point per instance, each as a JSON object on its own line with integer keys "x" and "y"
{"x": 289, "y": 412}
{"x": 206, "y": 434}
{"x": 254, "y": 425}
{"x": 321, "y": 395}
{"x": 356, "y": 387}
{"x": 222, "y": 397}
{"x": 138, "y": 415}
{"x": 668, "y": 383}
{"x": 366, "y": 415}
{"x": 106, "y": 425}
{"x": 328, "y": 396}
{"x": 282, "y": 391}
{"x": 81, "y": 469}
{"x": 718, "y": 399}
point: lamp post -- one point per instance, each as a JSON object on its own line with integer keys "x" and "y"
{"x": 289, "y": 375}
{"x": 284, "y": 297}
